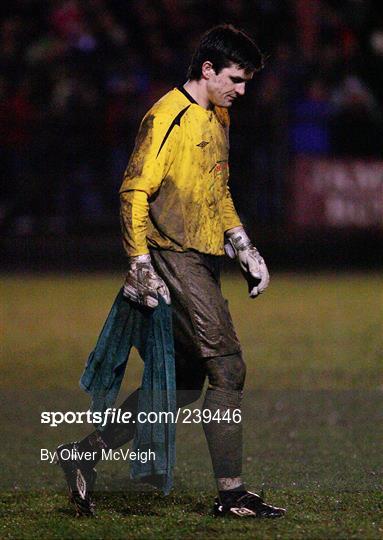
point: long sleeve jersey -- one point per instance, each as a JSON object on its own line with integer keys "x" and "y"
{"x": 175, "y": 192}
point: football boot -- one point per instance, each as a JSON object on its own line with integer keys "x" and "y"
{"x": 80, "y": 479}
{"x": 248, "y": 505}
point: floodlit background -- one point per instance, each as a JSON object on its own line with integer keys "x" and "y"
{"x": 76, "y": 77}
{"x": 306, "y": 141}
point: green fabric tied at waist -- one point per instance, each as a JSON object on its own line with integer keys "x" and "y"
{"x": 150, "y": 331}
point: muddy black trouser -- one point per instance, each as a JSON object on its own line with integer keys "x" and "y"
{"x": 205, "y": 346}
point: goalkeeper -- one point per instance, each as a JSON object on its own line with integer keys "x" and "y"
{"x": 177, "y": 213}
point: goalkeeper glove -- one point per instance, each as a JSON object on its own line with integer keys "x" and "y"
{"x": 142, "y": 284}
{"x": 238, "y": 244}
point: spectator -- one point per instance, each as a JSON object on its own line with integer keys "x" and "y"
{"x": 76, "y": 77}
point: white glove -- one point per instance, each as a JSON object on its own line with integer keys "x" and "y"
{"x": 142, "y": 284}
{"x": 238, "y": 244}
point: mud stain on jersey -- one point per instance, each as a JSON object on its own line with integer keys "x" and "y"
{"x": 143, "y": 142}
{"x": 166, "y": 211}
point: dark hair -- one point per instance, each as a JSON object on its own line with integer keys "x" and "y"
{"x": 222, "y": 46}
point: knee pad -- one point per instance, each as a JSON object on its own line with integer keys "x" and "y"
{"x": 226, "y": 372}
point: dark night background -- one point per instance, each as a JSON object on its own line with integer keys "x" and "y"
{"x": 77, "y": 76}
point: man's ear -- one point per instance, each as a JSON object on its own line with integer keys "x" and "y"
{"x": 207, "y": 69}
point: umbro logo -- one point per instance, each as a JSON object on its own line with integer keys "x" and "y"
{"x": 202, "y": 144}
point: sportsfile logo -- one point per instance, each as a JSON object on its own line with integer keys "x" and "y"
{"x": 110, "y": 415}
{"x": 113, "y": 415}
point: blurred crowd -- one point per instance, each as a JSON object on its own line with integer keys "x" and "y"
{"x": 77, "y": 76}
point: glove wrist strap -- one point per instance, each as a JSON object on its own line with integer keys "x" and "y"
{"x": 139, "y": 259}
{"x": 239, "y": 239}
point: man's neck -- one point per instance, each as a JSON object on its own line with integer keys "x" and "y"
{"x": 197, "y": 90}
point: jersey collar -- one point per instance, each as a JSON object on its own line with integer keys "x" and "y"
{"x": 209, "y": 112}
{"x": 187, "y": 95}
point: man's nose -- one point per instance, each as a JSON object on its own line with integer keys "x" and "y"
{"x": 240, "y": 88}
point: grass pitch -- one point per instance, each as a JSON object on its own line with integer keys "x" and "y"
{"x": 312, "y": 413}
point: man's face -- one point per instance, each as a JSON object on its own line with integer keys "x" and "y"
{"x": 223, "y": 88}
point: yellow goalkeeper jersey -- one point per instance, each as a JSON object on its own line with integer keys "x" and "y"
{"x": 175, "y": 192}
